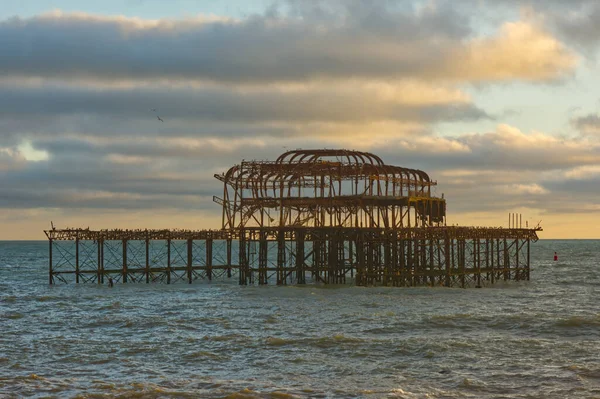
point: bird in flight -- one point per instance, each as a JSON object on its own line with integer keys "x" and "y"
{"x": 159, "y": 118}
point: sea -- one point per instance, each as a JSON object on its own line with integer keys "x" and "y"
{"x": 536, "y": 339}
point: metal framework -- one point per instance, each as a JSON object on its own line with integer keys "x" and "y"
{"x": 321, "y": 188}
{"x": 321, "y": 216}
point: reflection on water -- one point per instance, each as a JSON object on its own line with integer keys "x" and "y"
{"x": 537, "y": 340}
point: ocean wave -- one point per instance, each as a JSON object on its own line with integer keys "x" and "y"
{"x": 579, "y": 321}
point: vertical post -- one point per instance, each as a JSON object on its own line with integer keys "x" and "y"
{"x": 100, "y": 276}
{"x": 439, "y": 261}
{"x": 487, "y": 257}
{"x": 281, "y": 275}
{"x": 517, "y": 271}
{"x": 229, "y": 257}
{"x": 262, "y": 257}
{"x": 300, "y": 277}
{"x": 147, "y": 258}
{"x": 429, "y": 263}
{"x": 360, "y": 255}
{"x": 168, "y": 260}
{"x": 50, "y": 272}
{"x": 453, "y": 245}
{"x": 477, "y": 260}
{"x": 395, "y": 262}
{"x": 77, "y": 257}
{"x": 209, "y": 256}
{"x": 462, "y": 257}
{"x": 492, "y": 256}
{"x": 528, "y": 259}
{"x": 402, "y": 261}
{"x": 101, "y": 252}
{"x": 124, "y": 271}
{"x": 410, "y": 262}
{"x": 190, "y": 244}
{"x": 351, "y": 258}
{"x": 243, "y": 259}
{"x": 506, "y": 262}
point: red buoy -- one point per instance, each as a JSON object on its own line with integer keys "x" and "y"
{"x": 555, "y": 256}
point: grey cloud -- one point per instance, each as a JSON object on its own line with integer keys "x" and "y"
{"x": 588, "y": 123}
{"x": 576, "y": 21}
{"x": 221, "y": 103}
{"x": 372, "y": 42}
{"x": 172, "y": 176}
{"x": 80, "y": 175}
{"x": 490, "y": 155}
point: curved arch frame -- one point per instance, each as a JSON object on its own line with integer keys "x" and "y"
{"x": 328, "y": 187}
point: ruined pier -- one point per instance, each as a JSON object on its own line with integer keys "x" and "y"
{"x": 311, "y": 216}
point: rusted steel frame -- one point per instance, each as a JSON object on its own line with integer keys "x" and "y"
{"x": 314, "y": 155}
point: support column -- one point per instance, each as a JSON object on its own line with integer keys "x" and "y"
{"x": 243, "y": 259}
{"x": 100, "y": 275}
{"x": 124, "y": 270}
{"x": 300, "y": 274}
{"x": 360, "y": 259}
{"x": 281, "y": 275}
{"x": 517, "y": 271}
{"x": 50, "y": 272}
{"x": 477, "y": 260}
{"x": 461, "y": 262}
{"x": 447, "y": 258}
{"x": 262, "y": 258}
{"x": 229, "y": 257}
{"x": 169, "y": 261}
{"x": 147, "y": 259}
{"x": 528, "y": 258}
{"x": 209, "y": 258}
{"x": 101, "y": 252}
{"x": 506, "y": 261}
{"x": 77, "y": 258}
{"x": 190, "y": 244}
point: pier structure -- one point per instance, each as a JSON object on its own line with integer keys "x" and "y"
{"x": 311, "y": 216}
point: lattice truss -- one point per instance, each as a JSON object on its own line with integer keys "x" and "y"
{"x": 320, "y": 188}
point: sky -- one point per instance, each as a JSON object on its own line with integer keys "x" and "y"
{"x": 498, "y": 101}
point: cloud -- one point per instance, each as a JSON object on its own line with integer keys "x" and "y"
{"x": 499, "y": 169}
{"x": 11, "y": 159}
{"x": 505, "y": 149}
{"x": 588, "y": 124}
{"x": 578, "y": 24}
{"x": 521, "y": 51}
{"x": 349, "y": 102}
{"x": 385, "y": 77}
{"x": 531, "y": 189}
{"x": 370, "y": 42}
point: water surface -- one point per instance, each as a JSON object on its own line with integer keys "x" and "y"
{"x": 537, "y": 339}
